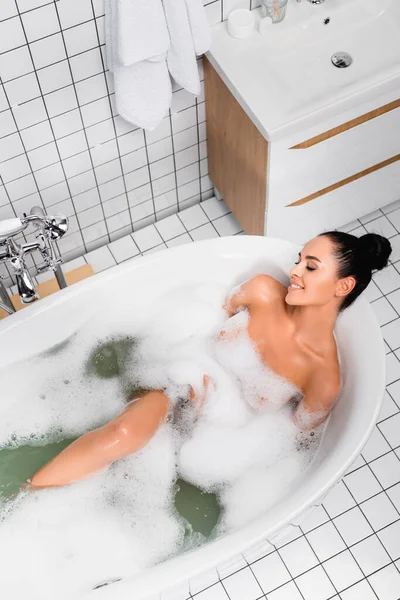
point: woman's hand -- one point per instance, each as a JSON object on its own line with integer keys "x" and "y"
{"x": 198, "y": 396}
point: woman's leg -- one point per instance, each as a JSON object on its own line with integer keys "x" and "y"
{"x": 124, "y": 435}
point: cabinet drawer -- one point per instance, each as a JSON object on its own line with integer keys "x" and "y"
{"x": 295, "y": 174}
{"x": 336, "y": 208}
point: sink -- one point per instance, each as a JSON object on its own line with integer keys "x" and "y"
{"x": 285, "y": 78}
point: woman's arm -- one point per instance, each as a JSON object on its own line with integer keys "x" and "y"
{"x": 124, "y": 435}
{"x": 319, "y": 399}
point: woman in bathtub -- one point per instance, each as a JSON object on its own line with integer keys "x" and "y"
{"x": 292, "y": 332}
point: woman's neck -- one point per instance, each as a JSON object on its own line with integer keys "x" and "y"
{"x": 314, "y": 325}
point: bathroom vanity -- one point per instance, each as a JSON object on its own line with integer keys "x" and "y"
{"x": 296, "y": 145}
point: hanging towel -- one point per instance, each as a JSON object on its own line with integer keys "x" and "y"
{"x": 181, "y": 56}
{"x": 142, "y": 30}
{"x": 201, "y": 31}
{"x": 143, "y": 93}
{"x": 143, "y": 90}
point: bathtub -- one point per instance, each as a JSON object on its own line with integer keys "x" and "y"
{"x": 226, "y": 260}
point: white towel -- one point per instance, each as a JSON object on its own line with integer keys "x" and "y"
{"x": 143, "y": 90}
{"x": 201, "y": 31}
{"x": 181, "y": 56}
{"x": 143, "y": 93}
{"x": 142, "y": 30}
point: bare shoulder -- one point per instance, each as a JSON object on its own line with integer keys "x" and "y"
{"x": 266, "y": 289}
{"x": 324, "y": 385}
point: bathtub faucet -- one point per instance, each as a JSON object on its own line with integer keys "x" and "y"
{"x": 49, "y": 229}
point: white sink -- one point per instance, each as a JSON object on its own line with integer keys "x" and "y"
{"x": 285, "y": 78}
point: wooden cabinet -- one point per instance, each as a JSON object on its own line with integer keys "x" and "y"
{"x": 295, "y": 191}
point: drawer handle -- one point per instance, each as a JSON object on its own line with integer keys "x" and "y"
{"x": 377, "y": 112}
{"x": 343, "y": 182}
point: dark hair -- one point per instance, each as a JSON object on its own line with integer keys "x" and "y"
{"x": 358, "y": 257}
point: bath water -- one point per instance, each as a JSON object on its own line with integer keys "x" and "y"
{"x": 205, "y": 473}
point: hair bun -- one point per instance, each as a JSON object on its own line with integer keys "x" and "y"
{"x": 377, "y": 248}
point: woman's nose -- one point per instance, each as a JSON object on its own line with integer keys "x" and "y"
{"x": 295, "y": 271}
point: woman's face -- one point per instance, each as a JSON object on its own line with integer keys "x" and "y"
{"x": 313, "y": 279}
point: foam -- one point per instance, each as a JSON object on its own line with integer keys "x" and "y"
{"x": 62, "y": 542}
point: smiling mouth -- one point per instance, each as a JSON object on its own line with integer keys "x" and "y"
{"x": 294, "y": 287}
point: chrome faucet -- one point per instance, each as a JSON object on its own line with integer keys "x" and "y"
{"x": 314, "y": 1}
{"x": 49, "y": 229}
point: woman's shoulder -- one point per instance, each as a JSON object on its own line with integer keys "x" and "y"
{"x": 265, "y": 288}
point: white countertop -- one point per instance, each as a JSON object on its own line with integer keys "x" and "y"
{"x": 285, "y": 80}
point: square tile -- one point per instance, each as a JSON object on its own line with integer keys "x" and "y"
{"x": 390, "y": 538}
{"x": 315, "y": 585}
{"x": 49, "y": 176}
{"x": 391, "y": 430}
{"x": 108, "y": 171}
{"x": 242, "y": 584}
{"x": 271, "y": 572}
{"x": 170, "y": 227}
{"x": 215, "y": 592}
{"x": 80, "y": 38}
{"x": 343, "y": 570}
{"x": 389, "y": 407}
{"x": 391, "y": 207}
{"x": 383, "y": 226}
{"x": 10, "y": 147}
{"x": 185, "y": 139}
{"x": 11, "y": 34}
{"x": 353, "y": 526}
{"x": 8, "y": 9}
{"x": 394, "y": 495}
{"x": 22, "y": 89}
{"x": 338, "y": 500}
{"x": 91, "y": 217}
{"x": 26, "y": 5}
{"x": 376, "y": 446}
{"x": 44, "y": 156}
{"x": 30, "y": 113}
{"x": 395, "y": 243}
{"x": 123, "y": 249}
{"x": 75, "y": 165}
{"x": 91, "y": 89}
{"x": 187, "y": 157}
{"x": 15, "y": 64}
{"x": 205, "y": 232}
{"x": 7, "y": 124}
{"x": 14, "y": 168}
{"x": 387, "y": 280}
{"x": 188, "y": 174}
{"x": 72, "y": 144}
{"x": 392, "y": 368}
{"x": 24, "y": 186}
{"x": 359, "y": 591}
{"x": 184, "y": 119}
{"x": 370, "y": 554}
{"x": 379, "y": 511}
{"x": 386, "y": 583}
{"x": 87, "y": 199}
{"x": 362, "y": 484}
{"x": 143, "y": 215}
{"x": 391, "y": 333}
{"x": 74, "y": 12}
{"x": 120, "y": 225}
{"x": 40, "y": 22}
{"x": 394, "y": 299}
{"x": 95, "y": 235}
{"x": 162, "y": 167}
{"x": 139, "y": 195}
{"x": 394, "y": 390}
{"x": 96, "y": 111}
{"x": 48, "y": 51}
{"x": 131, "y": 141}
{"x": 37, "y": 135}
{"x": 86, "y": 65}
{"x": 147, "y": 238}
{"x": 214, "y": 208}
{"x": 189, "y": 191}
{"x": 384, "y": 312}
{"x": 179, "y": 241}
{"x": 61, "y": 101}
{"x": 387, "y": 469}
{"x": 55, "y": 193}
{"x": 160, "y": 149}
{"x": 372, "y": 292}
{"x": 82, "y": 183}
{"x": 67, "y": 123}
{"x": 288, "y": 591}
{"x": 298, "y": 557}
{"x": 100, "y": 259}
{"x": 100, "y": 133}
{"x": 54, "y": 77}
{"x": 104, "y": 153}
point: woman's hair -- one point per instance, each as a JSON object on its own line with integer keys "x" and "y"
{"x": 358, "y": 257}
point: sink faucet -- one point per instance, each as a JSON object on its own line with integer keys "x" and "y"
{"x": 314, "y": 1}
{"x": 49, "y": 229}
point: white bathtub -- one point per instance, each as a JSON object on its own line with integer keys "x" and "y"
{"x": 225, "y": 260}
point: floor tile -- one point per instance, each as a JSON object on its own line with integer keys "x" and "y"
{"x": 379, "y": 511}
{"x": 391, "y": 334}
{"x": 353, "y": 526}
{"x": 362, "y": 484}
{"x": 315, "y": 585}
{"x": 394, "y": 218}
{"x": 147, "y": 238}
{"x": 394, "y": 391}
{"x": 193, "y": 217}
{"x": 270, "y": 572}
{"x": 227, "y": 225}
{"x": 258, "y": 551}
{"x": 241, "y": 585}
{"x": 205, "y": 232}
{"x": 343, "y": 570}
{"x": 387, "y": 469}
{"x": 214, "y": 208}
{"x": 370, "y": 554}
{"x": 123, "y": 249}
{"x": 394, "y": 495}
{"x": 390, "y": 538}
{"x": 372, "y": 292}
{"x": 318, "y": 516}
{"x": 359, "y": 591}
{"x": 203, "y": 581}
{"x": 288, "y": 591}
{"x": 326, "y": 541}
{"x": 386, "y": 583}
{"x": 394, "y": 299}
{"x": 387, "y": 280}
{"x": 391, "y": 430}
{"x": 376, "y": 446}
{"x": 100, "y": 259}
{"x": 338, "y": 500}
{"x": 180, "y": 240}
{"x": 384, "y": 312}
{"x": 170, "y": 227}
{"x": 215, "y": 592}
{"x": 392, "y": 368}
{"x": 382, "y": 226}
{"x": 298, "y": 557}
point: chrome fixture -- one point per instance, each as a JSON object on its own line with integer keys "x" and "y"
{"x": 49, "y": 229}
{"x": 314, "y": 1}
{"x": 341, "y": 60}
